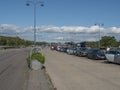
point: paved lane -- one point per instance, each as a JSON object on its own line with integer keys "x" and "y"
{"x": 12, "y": 69}
{"x": 78, "y": 73}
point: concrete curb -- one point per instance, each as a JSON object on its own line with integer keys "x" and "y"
{"x": 38, "y": 80}
{"x": 50, "y": 82}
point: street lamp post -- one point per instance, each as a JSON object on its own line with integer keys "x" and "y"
{"x": 100, "y": 25}
{"x": 35, "y": 3}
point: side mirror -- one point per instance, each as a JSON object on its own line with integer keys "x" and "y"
{"x": 42, "y": 4}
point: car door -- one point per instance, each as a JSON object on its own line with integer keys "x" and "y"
{"x": 110, "y": 56}
{"x": 117, "y": 57}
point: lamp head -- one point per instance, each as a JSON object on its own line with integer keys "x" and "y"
{"x": 27, "y": 4}
{"x": 42, "y": 5}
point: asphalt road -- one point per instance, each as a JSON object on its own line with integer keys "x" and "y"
{"x": 13, "y": 68}
{"x": 69, "y": 72}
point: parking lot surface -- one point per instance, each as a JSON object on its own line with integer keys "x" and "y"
{"x": 70, "y": 72}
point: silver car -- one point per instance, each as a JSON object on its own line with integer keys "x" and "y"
{"x": 113, "y": 56}
{"x": 71, "y": 51}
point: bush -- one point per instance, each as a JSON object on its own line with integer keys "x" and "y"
{"x": 37, "y": 56}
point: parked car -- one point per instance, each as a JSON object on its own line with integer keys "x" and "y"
{"x": 77, "y": 53}
{"x": 53, "y": 47}
{"x": 71, "y": 50}
{"x": 58, "y": 48}
{"x": 96, "y": 54}
{"x": 36, "y": 50}
{"x": 113, "y": 56}
{"x": 83, "y": 52}
{"x": 63, "y": 49}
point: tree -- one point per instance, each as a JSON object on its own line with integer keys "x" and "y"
{"x": 108, "y": 41}
{"x": 92, "y": 44}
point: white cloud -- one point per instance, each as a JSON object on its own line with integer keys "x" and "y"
{"x": 59, "y": 38}
{"x": 115, "y": 30}
{"x": 28, "y": 29}
{"x": 91, "y": 39}
{"x": 51, "y": 28}
{"x": 9, "y": 28}
{"x": 60, "y": 33}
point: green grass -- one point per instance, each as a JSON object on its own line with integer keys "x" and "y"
{"x": 37, "y": 56}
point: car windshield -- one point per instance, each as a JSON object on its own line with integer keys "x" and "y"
{"x": 111, "y": 52}
{"x": 95, "y": 51}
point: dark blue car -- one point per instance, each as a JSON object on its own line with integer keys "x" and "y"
{"x": 96, "y": 54}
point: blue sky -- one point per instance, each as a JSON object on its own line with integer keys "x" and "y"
{"x": 61, "y": 16}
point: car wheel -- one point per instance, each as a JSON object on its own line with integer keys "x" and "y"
{"x": 80, "y": 55}
{"x": 95, "y": 57}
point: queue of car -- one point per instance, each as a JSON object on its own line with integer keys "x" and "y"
{"x": 91, "y": 53}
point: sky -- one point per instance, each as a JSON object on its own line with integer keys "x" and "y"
{"x": 61, "y": 20}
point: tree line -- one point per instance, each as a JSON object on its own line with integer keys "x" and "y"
{"x": 17, "y": 42}
{"x": 14, "y": 41}
{"x": 106, "y": 41}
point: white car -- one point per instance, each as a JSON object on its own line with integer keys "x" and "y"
{"x": 71, "y": 51}
{"x": 113, "y": 56}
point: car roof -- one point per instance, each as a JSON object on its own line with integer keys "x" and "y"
{"x": 113, "y": 51}
{"x": 94, "y": 49}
